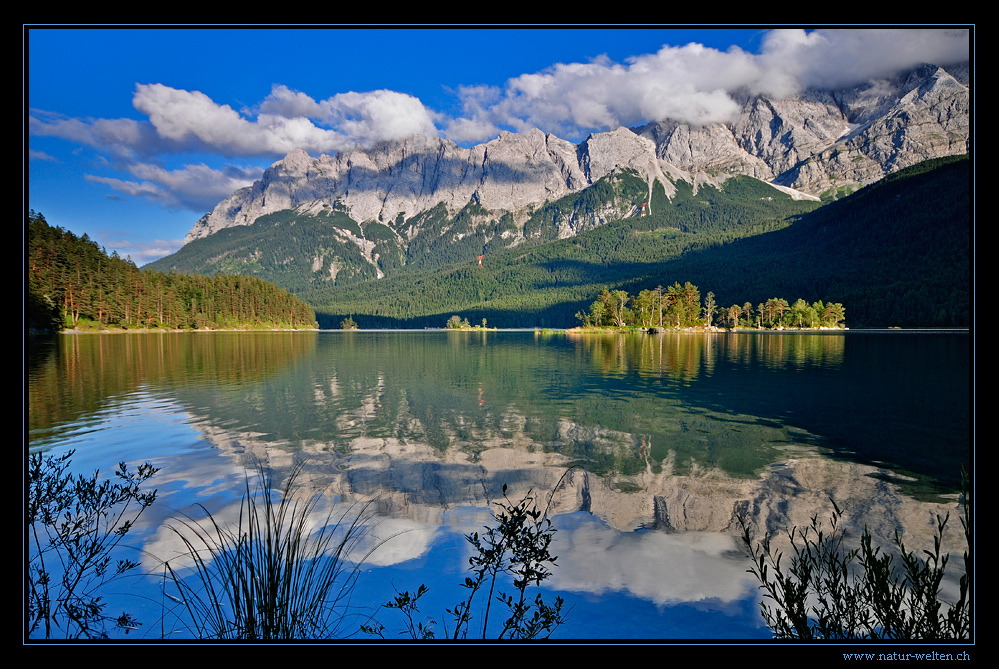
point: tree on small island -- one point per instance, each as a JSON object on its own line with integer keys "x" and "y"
{"x": 458, "y": 323}
{"x": 679, "y": 306}
{"x": 348, "y": 323}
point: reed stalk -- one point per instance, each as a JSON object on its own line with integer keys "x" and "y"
{"x": 271, "y": 576}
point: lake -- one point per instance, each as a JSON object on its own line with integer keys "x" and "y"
{"x": 656, "y": 444}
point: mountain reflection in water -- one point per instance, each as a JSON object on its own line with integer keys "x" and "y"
{"x": 667, "y": 439}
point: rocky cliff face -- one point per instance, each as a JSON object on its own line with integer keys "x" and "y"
{"x": 826, "y": 140}
{"x": 817, "y": 143}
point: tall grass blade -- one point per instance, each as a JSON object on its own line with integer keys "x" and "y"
{"x": 271, "y": 576}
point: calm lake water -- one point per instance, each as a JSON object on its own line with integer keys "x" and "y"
{"x": 666, "y": 438}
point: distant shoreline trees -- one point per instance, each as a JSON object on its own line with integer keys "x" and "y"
{"x": 73, "y": 283}
{"x": 680, "y": 306}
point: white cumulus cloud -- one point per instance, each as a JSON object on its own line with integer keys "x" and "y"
{"x": 286, "y": 120}
{"x": 375, "y": 116}
{"x": 696, "y": 84}
{"x": 122, "y": 138}
{"x": 195, "y": 187}
{"x": 183, "y": 116}
{"x": 845, "y": 57}
{"x": 688, "y": 83}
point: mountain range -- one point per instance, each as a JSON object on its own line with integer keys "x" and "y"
{"x": 425, "y": 203}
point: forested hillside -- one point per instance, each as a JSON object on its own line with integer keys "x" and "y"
{"x": 896, "y": 253}
{"x": 312, "y": 251}
{"x": 544, "y": 281}
{"x": 72, "y": 282}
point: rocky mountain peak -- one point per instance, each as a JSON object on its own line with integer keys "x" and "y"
{"x": 818, "y": 142}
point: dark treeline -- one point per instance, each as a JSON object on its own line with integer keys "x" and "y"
{"x": 72, "y": 282}
{"x": 897, "y": 252}
{"x": 681, "y": 306}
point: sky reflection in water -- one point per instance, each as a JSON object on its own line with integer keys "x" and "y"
{"x": 669, "y": 436}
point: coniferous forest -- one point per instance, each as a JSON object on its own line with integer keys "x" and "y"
{"x": 896, "y": 253}
{"x": 73, "y": 283}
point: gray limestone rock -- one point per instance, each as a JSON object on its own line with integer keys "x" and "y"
{"x": 814, "y": 143}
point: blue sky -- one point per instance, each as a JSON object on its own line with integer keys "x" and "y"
{"x": 134, "y": 133}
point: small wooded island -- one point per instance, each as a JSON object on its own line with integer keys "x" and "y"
{"x": 458, "y": 323}
{"x": 74, "y": 284}
{"x": 679, "y": 307}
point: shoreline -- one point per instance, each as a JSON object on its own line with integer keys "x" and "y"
{"x": 75, "y": 331}
{"x": 702, "y": 329}
{"x": 573, "y": 330}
